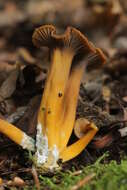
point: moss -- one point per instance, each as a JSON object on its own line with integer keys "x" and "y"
{"x": 108, "y": 176}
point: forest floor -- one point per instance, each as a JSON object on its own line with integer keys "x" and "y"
{"x": 102, "y": 99}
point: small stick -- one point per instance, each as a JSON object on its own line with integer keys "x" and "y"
{"x": 83, "y": 181}
{"x": 35, "y": 176}
{"x": 76, "y": 172}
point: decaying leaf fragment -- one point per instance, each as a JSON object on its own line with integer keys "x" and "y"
{"x": 8, "y": 86}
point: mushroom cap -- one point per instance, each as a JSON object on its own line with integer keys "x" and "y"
{"x": 81, "y": 127}
{"x": 72, "y": 38}
{"x": 97, "y": 60}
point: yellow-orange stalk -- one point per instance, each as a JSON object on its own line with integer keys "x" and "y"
{"x": 16, "y": 135}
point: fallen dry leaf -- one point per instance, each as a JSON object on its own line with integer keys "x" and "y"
{"x": 24, "y": 56}
{"x": 9, "y": 85}
{"x": 17, "y": 181}
{"x": 104, "y": 141}
{"x": 28, "y": 122}
{"x": 14, "y": 117}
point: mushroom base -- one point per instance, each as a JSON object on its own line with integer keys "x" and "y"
{"x": 45, "y": 157}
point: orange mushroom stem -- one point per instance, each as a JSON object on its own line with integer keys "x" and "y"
{"x": 57, "y": 112}
{"x": 16, "y": 135}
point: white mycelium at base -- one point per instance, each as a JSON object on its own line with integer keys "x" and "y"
{"x": 41, "y": 146}
{"x": 53, "y": 157}
{"x": 28, "y": 143}
{"x": 44, "y": 155}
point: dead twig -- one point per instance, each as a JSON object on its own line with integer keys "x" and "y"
{"x": 83, "y": 181}
{"x": 77, "y": 172}
{"x": 22, "y": 170}
{"x": 35, "y": 176}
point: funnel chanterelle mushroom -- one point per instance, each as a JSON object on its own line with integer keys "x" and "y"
{"x": 57, "y": 111}
{"x": 58, "y": 107}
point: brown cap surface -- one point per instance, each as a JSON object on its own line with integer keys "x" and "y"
{"x": 72, "y": 38}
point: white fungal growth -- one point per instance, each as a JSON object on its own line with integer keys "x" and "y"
{"x": 55, "y": 153}
{"x": 28, "y": 143}
{"x": 41, "y": 145}
{"x": 44, "y": 155}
